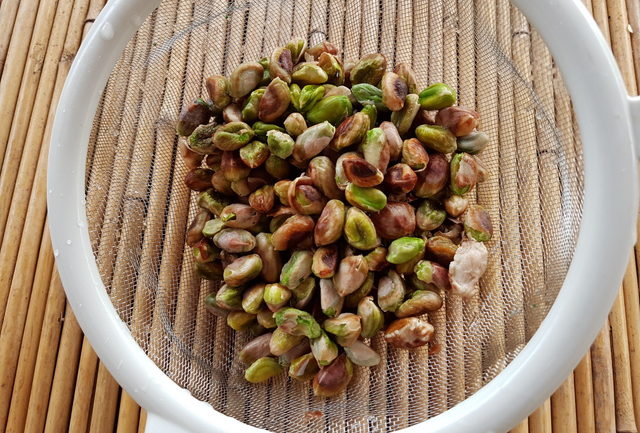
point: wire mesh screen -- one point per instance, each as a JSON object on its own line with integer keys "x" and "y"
{"x": 138, "y": 206}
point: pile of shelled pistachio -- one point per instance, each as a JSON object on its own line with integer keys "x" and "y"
{"x": 332, "y": 200}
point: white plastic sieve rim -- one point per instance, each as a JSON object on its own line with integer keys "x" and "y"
{"x": 606, "y": 232}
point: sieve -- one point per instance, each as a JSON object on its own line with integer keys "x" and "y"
{"x": 562, "y": 195}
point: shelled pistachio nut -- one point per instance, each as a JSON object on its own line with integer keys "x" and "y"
{"x": 212, "y": 201}
{"x": 309, "y": 73}
{"x": 429, "y": 216}
{"x": 274, "y": 102}
{"x": 441, "y": 248}
{"x": 278, "y": 168}
{"x": 473, "y": 143}
{"x": 403, "y": 119}
{"x": 414, "y": 155}
{"x": 477, "y": 223}
{"x": 369, "y": 69}
{"x": 265, "y": 318}
{"x": 391, "y": 291}
{"x": 245, "y": 78}
{"x": 464, "y": 174}
{"x": 350, "y": 131}
{"x": 375, "y": 150}
{"x": 239, "y": 216}
{"x": 324, "y": 349}
{"x": 332, "y": 67}
{"x": 455, "y": 205}
{"x": 331, "y": 302}
{"x": 310, "y": 95}
{"x": 377, "y": 259}
{"x": 362, "y": 173}
{"x": 303, "y": 294}
{"x": 361, "y": 354}
{"x": 400, "y": 179}
{"x": 297, "y": 48}
{"x": 434, "y": 178}
{"x": 403, "y": 249}
{"x": 262, "y": 370}
{"x": 262, "y": 199}
{"x": 295, "y": 124}
{"x": 242, "y": 270}
{"x": 255, "y": 349}
{"x": 254, "y": 154}
{"x": 409, "y": 333}
{"x": 240, "y": 320}
{"x": 325, "y": 261}
{"x": 437, "y": 138}
{"x": 276, "y": 296}
{"x": 405, "y": 72}
{"x": 359, "y": 230}
{"x": 345, "y": 328}
{"x": 194, "y": 232}
{"x": 201, "y": 139}
{"x": 322, "y": 172}
{"x": 460, "y": 121}
{"x": 352, "y": 299}
{"x": 395, "y": 220}
{"x": 281, "y": 64}
{"x": 233, "y": 168}
{"x": 234, "y": 240}
{"x": 394, "y": 142}
{"x": 193, "y": 115}
{"x": 394, "y": 91}
{"x": 329, "y": 227}
{"x": 332, "y": 109}
{"x": 204, "y": 252}
{"x": 352, "y": 272}
{"x": 209, "y": 271}
{"x": 468, "y": 265}
{"x": 292, "y": 231}
{"x": 250, "y": 108}
{"x": 252, "y": 298}
{"x": 229, "y": 298}
{"x": 297, "y": 322}
{"x": 333, "y": 379}
{"x": 371, "y": 317}
{"x": 313, "y": 141}
{"x": 437, "y": 96}
{"x": 303, "y": 368}
{"x": 420, "y": 302}
{"x": 371, "y": 112}
{"x": 296, "y": 269}
{"x": 368, "y": 199}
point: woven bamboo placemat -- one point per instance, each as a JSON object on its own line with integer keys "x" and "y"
{"x": 50, "y": 377}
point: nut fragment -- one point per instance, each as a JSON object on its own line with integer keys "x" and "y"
{"x": 262, "y": 370}
{"x": 391, "y": 291}
{"x": 394, "y": 91}
{"x": 468, "y": 265}
{"x": 245, "y": 78}
{"x": 297, "y": 48}
{"x": 409, "y": 333}
{"x": 477, "y": 223}
{"x": 395, "y": 220}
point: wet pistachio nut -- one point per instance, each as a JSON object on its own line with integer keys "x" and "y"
{"x": 405, "y": 72}
{"x": 352, "y": 272}
{"x": 395, "y": 220}
{"x": 295, "y": 124}
{"x": 460, "y": 121}
{"x": 391, "y": 291}
{"x": 394, "y": 142}
{"x": 261, "y": 129}
{"x": 212, "y": 227}
{"x": 394, "y": 91}
{"x": 345, "y": 327}
{"x": 330, "y": 224}
{"x": 309, "y": 73}
{"x": 429, "y": 216}
{"x": 414, "y": 155}
{"x": 229, "y": 298}
{"x": 198, "y": 179}
{"x": 271, "y": 262}
{"x": 295, "y": 352}
{"x": 204, "y": 252}
{"x": 239, "y": 216}
{"x": 361, "y": 354}
{"x": 371, "y": 112}
{"x": 245, "y": 78}
{"x": 304, "y": 197}
{"x": 250, "y": 109}
{"x": 377, "y": 259}
{"x": 331, "y": 302}
{"x": 369, "y": 69}
{"x": 190, "y": 158}
{"x": 294, "y": 230}
{"x": 403, "y": 119}
{"x": 232, "y": 113}
{"x": 325, "y": 261}
{"x": 277, "y": 167}
{"x": 281, "y": 64}
{"x": 218, "y": 89}
{"x": 455, "y": 205}
{"x": 209, "y": 271}
{"x": 297, "y": 322}
{"x": 254, "y": 154}
{"x": 463, "y": 173}
{"x": 468, "y": 265}
{"x": 294, "y": 94}
{"x": 375, "y": 150}
{"x": 274, "y": 102}
{"x": 303, "y": 294}
{"x": 404, "y": 249}
{"x": 473, "y": 143}
{"x": 368, "y": 199}
{"x": 368, "y": 94}
{"x": 332, "y": 67}
{"x": 212, "y": 201}
{"x": 240, "y": 320}
{"x": 409, "y": 333}
{"x": 310, "y": 95}
{"x": 242, "y": 270}
{"x": 322, "y": 172}
{"x": 437, "y": 138}
{"x": 441, "y": 248}
{"x": 332, "y": 109}
{"x": 313, "y": 141}
{"x": 276, "y": 295}
{"x": 213, "y": 160}
{"x": 324, "y": 349}
{"x": 323, "y": 47}
{"x": 211, "y": 306}
{"x": 234, "y": 240}
{"x": 400, "y": 179}
{"x": 362, "y": 173}
{"x": 297, "y": 48}
{"x": 351, "y": 130}
{"x": 265, "y": 318}
{"x": 352, "y": 299}
{"x": 280, "y": 143}
{"x": 194, "y": 232}
{"x": 303, "y": 368}
{"x": 371, "y": 317}
{"x": 262, "y": 199}
{"x": 201, "y": 139}
{"x": 195, "y": 114}
{"x": 297, "y": 269}
{"x": 255, "y": 349}
{"x": 252, "y": 298}
{"x": 333, "y": 379}
{"x": 281, "y": 189}
{"x": 262, "y": 370}
{"x": 420, "y": 302}
{"x": 434, "y": 178}
{"x": 244, "y": 187}
{"x": 233, "y": 168}
{"x": 359, "y": 230}
{"x": 477, "y": 223}
{"x": 437, "y": 96}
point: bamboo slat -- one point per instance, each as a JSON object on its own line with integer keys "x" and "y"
{"x": 563, "y": 408}
{"x": 602, "y": 374}
{"x": 8, "y": 12}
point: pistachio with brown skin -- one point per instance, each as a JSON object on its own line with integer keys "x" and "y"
{"x": 245, "y": 78}
{"x": 395, "y": 220}
{"x": 303, "y": 368}
{"x": 304, "y": 197}
{"x": 400, "y": 179}
{"x": 234, "y": 240}
{"x": 434, "y": 178}
{"x": 394, "y": 142}
{"x": 218, "y": 89}
{"x": 404, "y": 118}
{"x": 333, "y": 379}
{"x": 464, "y": 175}
{"x": 265, "y": 318}
{"x": 281, "y": 189}
{"x": 244, "y": 187}
{"x": 292, "y": 231}
{"x": 213, "y": 160}
{"x": 391, "y": 291}
{"x": 232, "y": 167}
{"x": 271, "y": 262}
{"x": 323, "y": 47}
{"x": 255, "y": 349}
{"x": 297, "y": 48}
{"x": 441, "y": 249}
{"x": 455, "y": 205}
{"x": 192, "y": 160}
{"x": 232, "y": 113}
{"x": 429, "y": 216}
{"x": 296, "y": 352}
{"x": 477, "y": 223}
{"x": 193, "y": 115}
{"x": 377, "y": 259}
{"x": 204, "y": 252}
{"x": 254, "y": 154}
{"x": 295, "y": 124}
{"x": 322, "y": 172}
{"x": 352, "y": 272}
{"x": 194, "y": 232}
{"x": 432, "y": 273}
{"x": 313, "y": 141}
{"x": 281, "y": 64}
{"x": 329, "y": 227}
{"x": 361, "y": 173}
{"x": 468, "y": 265}
{"x": 420, "y": 302}
{"x": 240, "y": 216}
{"x": 331, "y": 302}
{"x": 274, "y": 102}
{"x": 345, "y": 327}
{"x": 262, "y": 199}
{"x": 198, "y": 179}
{"x": 332, "y": 67}
{"x": 394, "y": 91}
{"x": 308, "y": 73}
{"x": 414, "y": 155}
{"x": 371, "y": 317}
{"x": 341, "y": 179}
{"x": 369, "y": 69}
{"x": 352, "y": 299}
{"x": 405, "y": 72}
{"x": 460, "y": 121}
{"x": 375, "y": 149}
{"x": 325, "y": 261}
{"x": 409, "y": 333}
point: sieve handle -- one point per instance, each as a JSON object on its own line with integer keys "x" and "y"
{"x": 157, "y": 424}
{"x": 634, "y": 106}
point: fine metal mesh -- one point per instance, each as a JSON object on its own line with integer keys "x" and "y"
{"x": 138, "y": 206}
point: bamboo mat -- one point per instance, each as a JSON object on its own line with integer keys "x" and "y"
{"x": 50, "y": 377}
